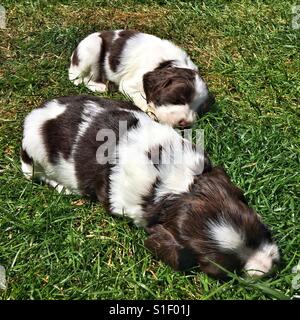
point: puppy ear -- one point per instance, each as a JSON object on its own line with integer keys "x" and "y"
{"x": 149, "y": 81}
{"x": 164, "y": 246}
{"x": 153, "y": 83}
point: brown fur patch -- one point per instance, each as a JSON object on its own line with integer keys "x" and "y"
{"x": 118, "y": 46}
{"x": 107, "y": 37}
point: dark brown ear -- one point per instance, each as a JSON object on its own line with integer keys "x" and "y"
{"x": 153, "y": 82}
{"x": 164, "y": 246}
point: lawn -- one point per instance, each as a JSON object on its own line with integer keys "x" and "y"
{"x": 64, "y": 247}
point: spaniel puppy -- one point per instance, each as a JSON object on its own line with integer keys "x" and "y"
{"x": 159, "y": 77}
{"x": 113, "y": 152}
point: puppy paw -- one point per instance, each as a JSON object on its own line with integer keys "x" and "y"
{"x": 95, "y": 86}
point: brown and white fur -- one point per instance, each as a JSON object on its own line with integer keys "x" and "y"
{"x": 154, "y": 73}
{"x": 193, "y": 213}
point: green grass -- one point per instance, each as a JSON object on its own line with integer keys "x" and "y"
{"x": 56, "y": 248}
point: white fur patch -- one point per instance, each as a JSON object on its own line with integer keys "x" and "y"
{"x": 261, "y": 260}
{"x": 225, "y": 235}
{"x": 90, "y": 111}
{"x": 173, "y": 114}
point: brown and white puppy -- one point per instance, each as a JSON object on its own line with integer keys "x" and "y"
{"x": 194, "y": 214}
{"x": 158, "y": 76}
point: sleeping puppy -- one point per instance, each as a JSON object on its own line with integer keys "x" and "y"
{"x": 159, "y": 77}
{"x": 113, "y": 152}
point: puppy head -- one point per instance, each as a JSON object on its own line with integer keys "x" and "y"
{"x": 178, "y": 94}
{"x": 212, "y": 226}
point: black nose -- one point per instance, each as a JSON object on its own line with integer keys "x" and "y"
{"x": 184, "y": 123}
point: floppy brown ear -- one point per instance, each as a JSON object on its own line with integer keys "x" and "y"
{"x": 153, "y": 81}
{"x": 148, "y": 83}
{"x": 164, "y": 246}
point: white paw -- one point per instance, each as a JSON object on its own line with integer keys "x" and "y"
{"x": 58, "y": 187}
{"x": 95, "y": 86}
{"x": 76, "y": 79}
{"x": 61, "y": 189}
{"x": 27, "y": 170}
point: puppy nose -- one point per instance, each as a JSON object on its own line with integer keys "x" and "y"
{"x": 183, "y": 123}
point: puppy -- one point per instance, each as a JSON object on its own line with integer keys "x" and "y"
{"x": 113, "y": 152}
{"x": 159, "y": 77}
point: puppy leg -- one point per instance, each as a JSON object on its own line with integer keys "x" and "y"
{"x": 84, "y": 67}
{"x": 30, "y": 169}
{"x": 27, "y": 170}
{"x": 94, "y": 86}
{"x": 59, "y": 187}
{"x": 29, "y": 173}
{"x": 26, "y": 164}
